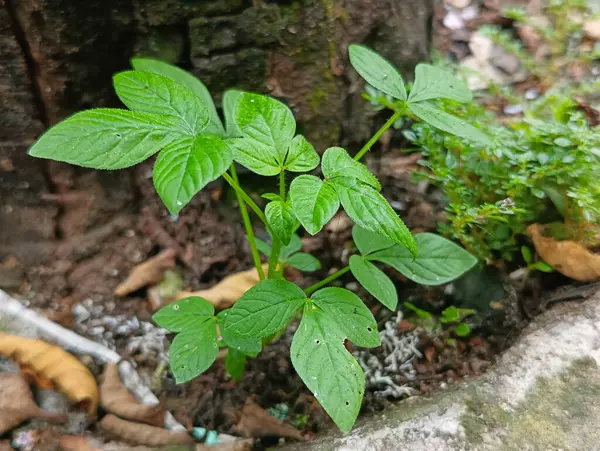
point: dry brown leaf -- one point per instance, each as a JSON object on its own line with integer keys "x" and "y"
{"x": 52, "y": 363}
{"x": 567, "y": 257}
{"x": 75, "y": 443}
{"x": 17, "y": 405}
{"x": 142, "y": 434}
{"x": 257, "y": 422}
{"x": 147, "y": 273}
{"x": 224, "y": 294}
{"x": 115, "y": 398}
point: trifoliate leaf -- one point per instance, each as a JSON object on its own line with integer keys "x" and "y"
{"x": 255, "y": 156}
{"x": 193, "y": 351}
{"x": 108, "y": 138}
{"x": 337, "y": 163}
{"x": 302, "y": 156}
{"x": 304, "y": 262}
{"x": 353, "y": 318}
{"x": 433, "y": 83}
{"x": 189, "y": 81}
{"x": 151, "y": 93}
{"x": 315, "y": 202}
{"x": 187, "y": 165}
{"x": 449, "y": 123}
{"x": 184, "y": 314}
{"x": 439, "y": 260}
{"x": 374, "y": 281}
{"x": 265, "y": 123}
{"x": 229, "y": 101}
{"x": 368, "y": 242}
{"x": 265, "y": 308}
{"x": 246, "y": 345}
{"x": 327, "y": 368}
{"x": 282, "y": 220}
{"x": 369, "y": 209}
{"x": 377, "y": 71}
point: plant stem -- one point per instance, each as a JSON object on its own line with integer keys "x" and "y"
{"x": 277, "y": 244}
{"x": 327, "y": 280}
{"x": 247, "y": 223}
{"x": 239, "y": 190}
{"x": 379, "y": 132}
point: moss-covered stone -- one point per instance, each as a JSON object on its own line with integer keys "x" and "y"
{"x": 164, "y": 43}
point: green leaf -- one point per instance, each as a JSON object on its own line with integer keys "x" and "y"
{"x": 187, "y": 165}
{"x": 272, "y": 196}
{"x": 304, "y": 262}
{"x": 186, "y": 79}
{"x": 255, "y": 156}
{"x": 449, "y": 123}
{"x": 369, "y": 209}
{"x": 434, "y": 83}
{"x": 353, "y": 318}
{"x": 337, "y": 163}
{"x": 327, "y": 368}
{"x": 229, "y": 101}
{"x": 302, "y": 156}
{"x": 146, "y": 92}
{"x": 294, "y": 246}
{"x": 265, "y": 308}
{"x": 282, "y": 220}
{"x": 267, "y": 123}
{"x": 184, "y": 314}
{"x": 542, "y": 266}
{"x": 374, "y": 281}
{"x": 526, "y": 253}
{"x": 264, "y": 247}
{"x": 450, "y": 315}
{"x": 462, "y": 330}
{"x": 423, "y": 314}
{"x": 193, "y": 351}
{"x": 315, "y": 202}
{"x": 368, "y": 242}
{"x": 246, "y": 345}
{"x": 235, "y": 364}
{"x": 107, "y": 138}
{"x": 439, "y": 261}
{"x": 377, "y": 71}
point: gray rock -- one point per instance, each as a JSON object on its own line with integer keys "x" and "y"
{"x": 543, "y": 394}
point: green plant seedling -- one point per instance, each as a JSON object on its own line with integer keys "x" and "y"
{"x": 171, "y": 113}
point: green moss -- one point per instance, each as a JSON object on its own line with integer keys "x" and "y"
{"x": 165, "y": 43}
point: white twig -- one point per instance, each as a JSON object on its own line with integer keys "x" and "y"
{"x": 77, "y": 344}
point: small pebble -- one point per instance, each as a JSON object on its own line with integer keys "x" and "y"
{"x": 511, "y": 110}
{"x": 453, "y": 20}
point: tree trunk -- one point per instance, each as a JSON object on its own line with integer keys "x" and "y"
{"x": 57, "y": 57}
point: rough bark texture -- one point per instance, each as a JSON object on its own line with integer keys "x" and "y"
{"x": 57, "y": 57}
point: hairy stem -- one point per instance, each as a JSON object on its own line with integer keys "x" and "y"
{"x": 247, "y": 223}
{"x": 327, "y": 280}
{"x": 379, "y": 132}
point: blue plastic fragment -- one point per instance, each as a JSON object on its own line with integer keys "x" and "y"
{"x": 211, "y": 438}
{"x": 199, "y": 433}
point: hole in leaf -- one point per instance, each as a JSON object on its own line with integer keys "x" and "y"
{"x": 146, "y": 86}
{"x": 317, "y": 341}
{"x": 347, "y": 403}
{"x": 355, "y": 310}
{"x": 369, "y": 329}
{"x": 175, "y": 307}
{"x": 118, "y": 135}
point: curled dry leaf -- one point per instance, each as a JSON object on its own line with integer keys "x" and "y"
{"x": 17, "y": 405}
{"x": 142, "y": 434}
{"x": 115, "y": 398}
{"x": 567, "y": 257}
{"x": 52, "y": 363}
{"x": 224, "y": 294}
{"x": 257, "y": 422}
{"x": 147, "y": 273}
